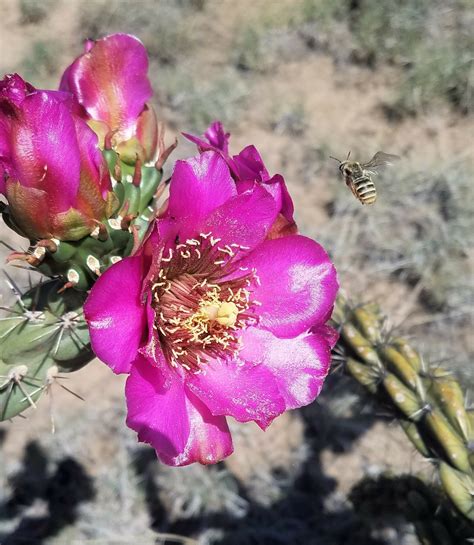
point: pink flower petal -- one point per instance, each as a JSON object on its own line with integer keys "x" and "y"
{"x": 243, "y": 390}
{"x": 299, "y": 365}
{"x": 245, "y": 219}
{"x": 298, "y": 284}
{"x": 13, "y": 88}
{"x": 328, "y": 333}
{"x": 146, "y": 131}
{"x": 94, "y": 178}
{"x": 41, "y": 127}
{"x": 209, "y": 440}
{"x": 110, "y": 80}
{"x": 198, "y": 186}
{"x": 156, "y": 407}
{"x": 115, "y": 314}
{"x": 249, "y": 165}
{"x": 217, "y": 137}
{"x": 170, "y": 418}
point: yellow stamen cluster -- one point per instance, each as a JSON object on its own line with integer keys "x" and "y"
{"x": 198, "y": 313}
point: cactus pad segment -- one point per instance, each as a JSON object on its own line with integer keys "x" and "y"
{"x": 44, "y": 330}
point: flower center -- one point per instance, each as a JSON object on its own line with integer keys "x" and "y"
{"x": 198, "y": 310}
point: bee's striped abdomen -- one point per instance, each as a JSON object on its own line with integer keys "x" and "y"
{"x": 364, "y": 189}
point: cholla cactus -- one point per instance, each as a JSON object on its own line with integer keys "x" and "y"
{"x": 427, "y": 400}
{"x": 43, "y": 335}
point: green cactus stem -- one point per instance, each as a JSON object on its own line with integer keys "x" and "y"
{"x": 43, "y": 334}
{"x": 428, "y": 401}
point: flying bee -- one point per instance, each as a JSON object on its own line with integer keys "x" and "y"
{"x": 358, "y": 175}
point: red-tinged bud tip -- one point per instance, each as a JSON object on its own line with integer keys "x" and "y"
{"x": 108, "y": 140}
{"x": 67, "y": 286}
{"x": 100, "y": 232}
{"x": 165, "y": 154}
{"x": 126, "y": 221}
{"x": 49, "y": 244}
{"x": 118, "y": 172}
{"x": 137, "y": 173}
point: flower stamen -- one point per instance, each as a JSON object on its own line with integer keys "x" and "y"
{"x": 198, "y": 312}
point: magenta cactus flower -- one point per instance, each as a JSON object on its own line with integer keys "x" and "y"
{"x": 110, "y": 82}
{"x": 51, "y": 170}
{"x": 212, "y": 319}
{"x": 248, "y": 168}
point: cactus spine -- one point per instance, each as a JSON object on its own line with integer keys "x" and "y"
{"x": 427, "y": 400}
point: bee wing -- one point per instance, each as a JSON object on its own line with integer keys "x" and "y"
{"x": 381, "y": 159}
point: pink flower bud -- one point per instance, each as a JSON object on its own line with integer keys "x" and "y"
{"x": 51, "y": 170}
{"x": 110, "y": 82}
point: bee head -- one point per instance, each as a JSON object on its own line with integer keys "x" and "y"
{"x": 344, "y": 168}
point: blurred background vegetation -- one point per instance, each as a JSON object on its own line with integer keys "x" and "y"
{"x": 302, "y": 80}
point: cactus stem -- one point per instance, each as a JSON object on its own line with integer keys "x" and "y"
{"x": 46, "y": 334}
{"x": 430, "y": 399}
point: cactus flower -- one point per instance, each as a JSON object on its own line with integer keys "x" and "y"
{"x": 211, "y": 319}
{"x": 110, "y": 82}
{"x": 51, "y": 170}
{"x": 246, "y": 168}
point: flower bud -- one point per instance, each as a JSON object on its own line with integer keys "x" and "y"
{"x": 51, "y": 170}
{"x": 110, "y": 82}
